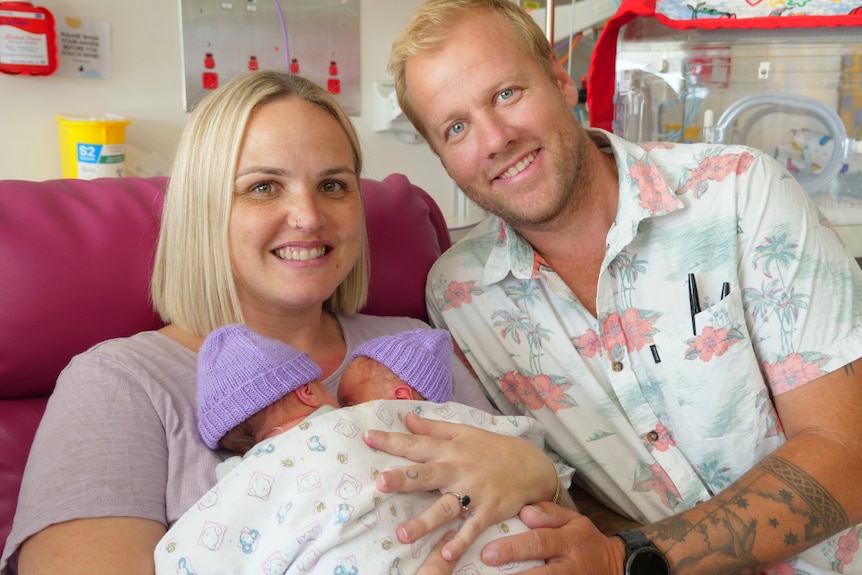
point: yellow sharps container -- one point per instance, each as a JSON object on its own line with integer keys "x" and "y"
{"x": 93, "y": 147}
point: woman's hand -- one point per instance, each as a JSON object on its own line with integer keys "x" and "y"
{"x": 565, "y": 539}
{"x": 500, "y": 473}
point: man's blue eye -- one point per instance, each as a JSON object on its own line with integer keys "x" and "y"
{"x": 506, "y": 94}
{"x": 457, "y": 128}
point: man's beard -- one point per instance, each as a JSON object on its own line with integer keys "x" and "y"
{"x": 569, "y": 182}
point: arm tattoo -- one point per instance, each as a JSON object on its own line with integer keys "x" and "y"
{"x": 727, "y": 537}
{"x": 826, "y": 516}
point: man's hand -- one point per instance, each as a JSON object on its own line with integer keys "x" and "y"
{"x": 565, "y": 539}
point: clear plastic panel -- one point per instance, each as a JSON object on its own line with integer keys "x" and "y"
{"x": 796, "y": 93}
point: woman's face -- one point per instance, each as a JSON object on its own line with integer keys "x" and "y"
{"x": 294, "y": 230}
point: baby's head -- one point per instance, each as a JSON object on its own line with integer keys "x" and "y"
{"x": 241, "y": 376}
{"x": 408, "y": 365}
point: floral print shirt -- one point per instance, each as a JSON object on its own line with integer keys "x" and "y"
{"x": 656, "y": 406}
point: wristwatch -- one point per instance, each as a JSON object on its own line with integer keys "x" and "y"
{"x": 642, "y": 556}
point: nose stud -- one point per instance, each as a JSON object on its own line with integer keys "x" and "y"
{"x": 296, "y": 224}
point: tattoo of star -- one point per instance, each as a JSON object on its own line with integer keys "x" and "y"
{"x": 773, "y": 522}
{"x": 825, "y": 514}
{"x": 742, "y": 502}
{"x": 790, "y": 539}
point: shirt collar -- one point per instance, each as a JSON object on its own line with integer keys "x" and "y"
{"x": 644, "y": 193}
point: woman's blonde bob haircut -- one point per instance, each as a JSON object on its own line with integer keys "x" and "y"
{"x": 431, "y": 26}
{"x": 193, "y": 284}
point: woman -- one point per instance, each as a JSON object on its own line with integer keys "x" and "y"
{"x": 263, "y": 225}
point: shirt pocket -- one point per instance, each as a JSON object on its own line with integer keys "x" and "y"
{"x": 714, "y": 378}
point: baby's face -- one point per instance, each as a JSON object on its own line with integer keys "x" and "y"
{"x": 364, "y": 380}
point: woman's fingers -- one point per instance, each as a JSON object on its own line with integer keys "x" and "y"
{"x": 475, "y": 524}
{"x": 445, "y": 509}
{"x": 435, "y": 564}
{"x": 420, "y": 445}
{"x": 424, "y": 477}
{"x": 446, "y": 554}
{"x": 464, "y": 459}
{"x": 430, "y": 444}
{"x": 457, "y": 457}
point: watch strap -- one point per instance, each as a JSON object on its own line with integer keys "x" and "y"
{"x": 634, "y": 539}
{"x": 642, "y": 556}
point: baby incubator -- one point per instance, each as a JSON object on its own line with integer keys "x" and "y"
{"x": 795, "y": 93}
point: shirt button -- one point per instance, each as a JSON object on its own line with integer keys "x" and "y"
{"x": 617, "y": 366}
{"x": 652, "y": 436}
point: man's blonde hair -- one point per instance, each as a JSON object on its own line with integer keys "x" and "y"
{"x": 193, "y": 284}
{"x": 430, "y": 27}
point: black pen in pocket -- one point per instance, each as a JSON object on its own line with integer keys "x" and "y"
{"x": 693, "y": 301}
{"x": 725, "y": 289}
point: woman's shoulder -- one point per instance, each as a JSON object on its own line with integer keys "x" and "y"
{"x": 147, "y": 373}
{"x": 147, "y": 352}
{"x": 141, "y": 343}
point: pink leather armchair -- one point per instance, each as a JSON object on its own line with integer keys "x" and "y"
{"x": 75, "y": 258}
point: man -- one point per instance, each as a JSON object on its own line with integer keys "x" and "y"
{"x": 679, "y": 317}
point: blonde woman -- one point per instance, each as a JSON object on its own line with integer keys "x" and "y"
{"x": 262, "y": 225}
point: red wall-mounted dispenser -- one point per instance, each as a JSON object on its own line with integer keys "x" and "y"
{"x": 28, "y": 39}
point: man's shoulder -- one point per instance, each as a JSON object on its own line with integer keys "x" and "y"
{"x": 694, "y": 154}
{"x": 473, "y": 250}
{"x": 671, "y": 154}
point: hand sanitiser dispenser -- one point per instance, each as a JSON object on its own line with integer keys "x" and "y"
{"x": 28, "y": 40}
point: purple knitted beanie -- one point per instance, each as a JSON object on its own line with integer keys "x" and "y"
{"x": 422, "y": 358}
{"x": 239, "y": 373}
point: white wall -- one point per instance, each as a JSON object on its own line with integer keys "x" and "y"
{"x": 146, "y": 87}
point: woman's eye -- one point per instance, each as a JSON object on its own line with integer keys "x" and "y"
{"x": 262, "y": 188}
{"x": 333, "y": 187}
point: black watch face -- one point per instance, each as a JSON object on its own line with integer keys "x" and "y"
{"x": 647, "y": 561}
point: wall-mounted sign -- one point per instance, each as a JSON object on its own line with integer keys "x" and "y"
{"x": 84, "y": 48}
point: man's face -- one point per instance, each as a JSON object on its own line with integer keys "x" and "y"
{"x": 503, "y": 129}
